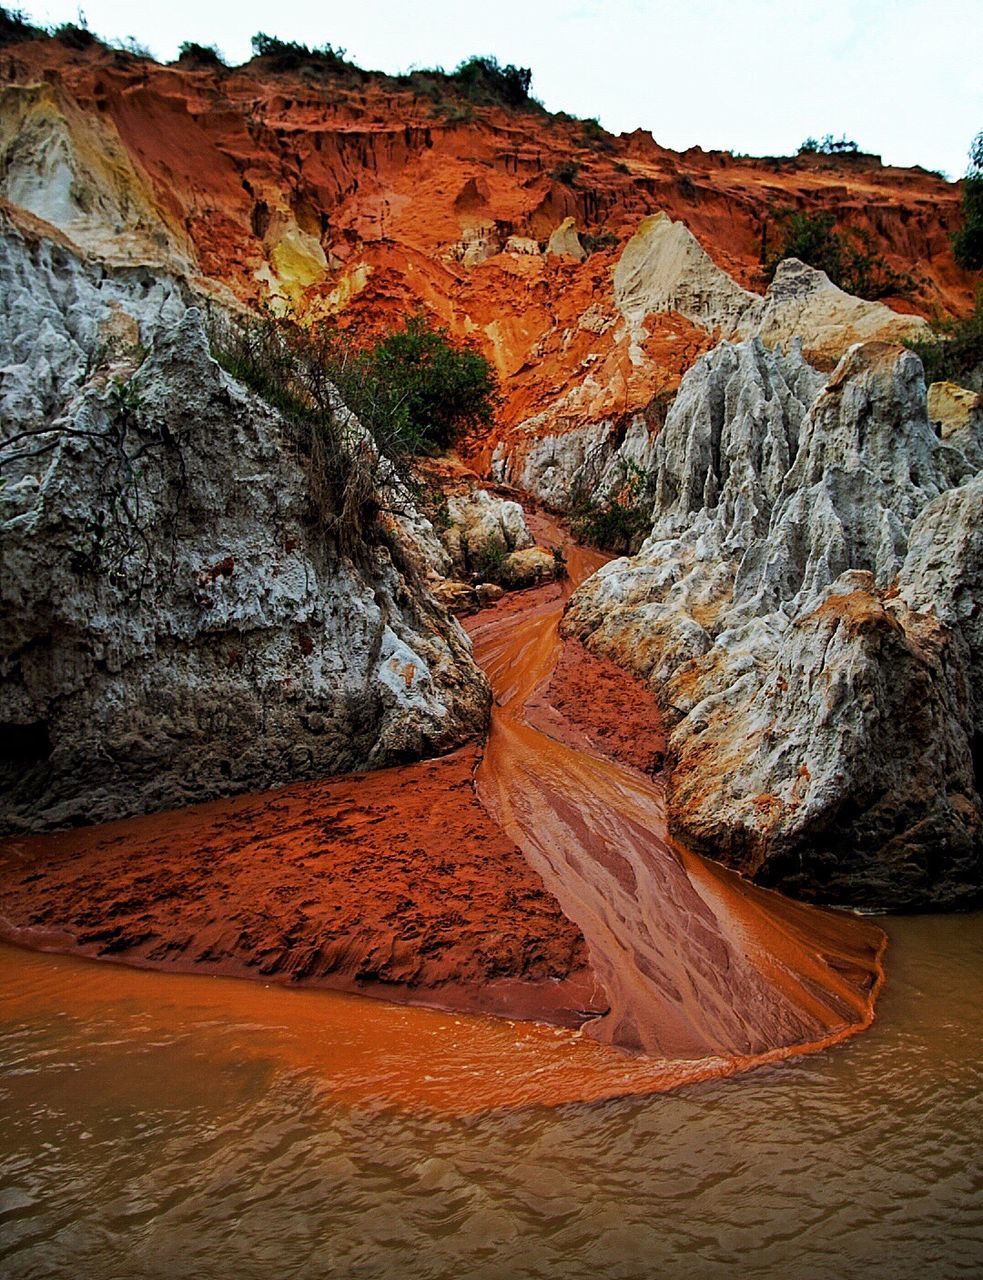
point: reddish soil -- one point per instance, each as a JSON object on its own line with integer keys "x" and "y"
{"x": 394, "y": 883}
{"x": 591, "y": 703}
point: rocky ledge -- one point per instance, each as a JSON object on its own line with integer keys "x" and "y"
{"x": 807, "y": 610}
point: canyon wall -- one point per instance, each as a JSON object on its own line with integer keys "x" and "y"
{"x": 806, "y": 609}
{"x": 591, "y": 269}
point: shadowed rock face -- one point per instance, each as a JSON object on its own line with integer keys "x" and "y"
{"x": 175, "y": 625}
{"x": 806, "y": 608}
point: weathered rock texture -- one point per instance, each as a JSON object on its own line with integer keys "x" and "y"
{"x": 356, "y": 197}
{"x": 807, "y": 609}
{"x": 175, "y": 624}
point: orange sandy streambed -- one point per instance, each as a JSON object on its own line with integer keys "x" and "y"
{"x": 534, "y": 880}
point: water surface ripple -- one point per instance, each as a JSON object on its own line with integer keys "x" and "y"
{"x": 167, "y": 1138}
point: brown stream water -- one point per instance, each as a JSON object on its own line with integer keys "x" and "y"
{"x": 157, "y": 1125}
{"x": 171, "y": 1125}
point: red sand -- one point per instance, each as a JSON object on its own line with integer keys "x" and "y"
{"x": 394, "y": 883}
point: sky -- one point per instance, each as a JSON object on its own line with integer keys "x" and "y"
{"x": 903, "y": 78}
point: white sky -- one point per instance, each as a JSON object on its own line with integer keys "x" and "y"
{"x": 904, "y": 78}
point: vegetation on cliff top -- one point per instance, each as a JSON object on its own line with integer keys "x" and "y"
{"x": 967, "y": 243}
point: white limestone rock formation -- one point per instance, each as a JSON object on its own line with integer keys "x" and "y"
{"x": 807, "y": 610}
{"x": 597, "y": 456}
{"x": 174, "y": 623}
{"x": 663, "y": 268}
{"x": 479, "y": 520}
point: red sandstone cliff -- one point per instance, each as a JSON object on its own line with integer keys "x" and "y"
{"x": 359, "y": 196}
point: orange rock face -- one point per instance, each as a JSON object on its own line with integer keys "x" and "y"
{"x": 357, "y": 198}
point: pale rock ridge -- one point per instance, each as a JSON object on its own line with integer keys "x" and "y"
{"x": 812, "y": 634}
{"x": 215, "y": 642}
{"x": 868, "y": 461}
{"x": 663, "y": 268}
{"x": 72, "y": 171}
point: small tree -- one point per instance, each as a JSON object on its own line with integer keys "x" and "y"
{"x": 967, "y": 243}
{"x": 486, "y": 80}
{"x": 434, "y": 388}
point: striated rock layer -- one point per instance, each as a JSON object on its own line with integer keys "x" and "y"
{"x": 806, "y": 608}
{"x": 592, "y": 270}
{"x": 175, "y": 623}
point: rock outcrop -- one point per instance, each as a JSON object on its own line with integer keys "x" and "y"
{"x": 175, "y": 623}
{"x": 664, "y": 271}
{"x": 351, "y": 196}
{"x": 806, "y": 609}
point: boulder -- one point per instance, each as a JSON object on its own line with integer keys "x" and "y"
{"x": 529, "y": 568}
{"x": 175, "y": 623}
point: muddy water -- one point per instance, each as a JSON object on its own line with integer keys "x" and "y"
{"x": 697, "y": 965}
{"x": 168, "y": 1126}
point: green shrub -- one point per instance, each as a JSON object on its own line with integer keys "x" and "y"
{"x": 954, "y": 352}
{"x": 487, "y": 561}
{"x": 566, "y": 172}
{"x": 430, "y": 387}
{"x": 75, "y": 37}
{"x": 595, "y": 136}
{"x": 596, "y": 241}
{"x": 16, "y": 27}
{"x": 483, "y": 79}
{"x": 289, "y": 55}
{"x": 967, "y": 243}
{"x": 620, "y": 519}
{"x": 829, "y": 146}
{"x": 848, "y": 258}
{"x": 199, "y": 55}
